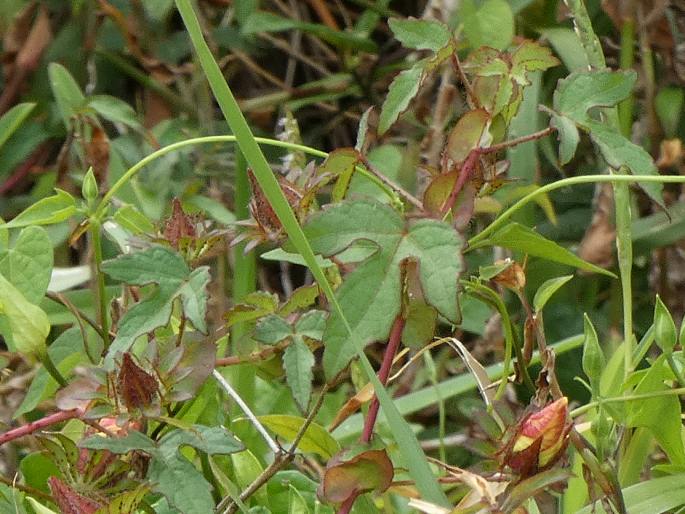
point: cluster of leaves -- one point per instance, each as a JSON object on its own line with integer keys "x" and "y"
{"x": 142, "y": 373}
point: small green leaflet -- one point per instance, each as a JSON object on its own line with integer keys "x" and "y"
{"x": 420, "y": 34}
{"x": 28, "y": 323}
{"x": 28, "y": 264}
{"x": 47, "y": 211}
{"x": 174, "y": 279}
{"x": 370, "y": 296}
{"x": 298, "y": 359}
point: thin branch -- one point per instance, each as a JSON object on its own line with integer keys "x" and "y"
{"x": 29, "y": 428}
{"x": 273, "y": 445}
{"x": 392, "y": 185}
{"x": 517, "y": 141}
{"x": 25, "y": 488}
{"x": 80, "y": 318}
{"x": 383, "y": 374}
{"x": 228, "y": 506}
{"x": 456, "y": 64}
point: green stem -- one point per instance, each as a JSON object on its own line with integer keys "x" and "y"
{"x": 571, "y": 181}
{"x": 627, "y": 398}
{"x": 678, "y": 374}
{"x": 412, "y": 456}
{"x": 50, "y": 367}
{"x": 96, "y": 241}
{"x": 624, "y": 245}
{"x": 627, "y": 58}
{"x": 133, "y": 170}
{"x": 244, "y": 281}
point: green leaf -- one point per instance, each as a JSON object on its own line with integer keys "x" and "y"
{"x": 575, "y": 98}
{"x": 262, "y": 21}
{"x": 530, "y": 56}
{"x": 311, "y": 324}
{"x": 134, "y": 440}
{"x": 471, "y": 131}
{"x": 492, "y": 24}
{"x": 581, "y": 91}
{"x": 594, "y": 361}
{"x": 568, "y": 136}
{"x": 272, "y": 330}
{"x": 419, "y": 328}
{"x": 47, "y": 211}
{"x": 66, "y": 91}
{"x": 618, "y": 151}
{"x": 115, "y": 110}
{"x": 568, "y": 47}
{"x": 210, "y": 440}
{"x": 66, "y": 352}
{"x": 212, "y": 208}
{"x": 298, "y": 361}
{"x": 255, "y": 305}
{"x": 654, "y": 496}
{"x": 174, "y": 279}
{"x": 547, "y": 289}
{"x": 664, "y": 327}
{"x": 403, "y": 88}
{"x": 316, "y": 439}
{"x": 661, "y": 414}
{"x": 12, "y": 119}
{"x": 182, "y": 484}
{"x": 420, "y": 34}
{"x": 523, "y": 239}
{"x": 297, "y": 504}
{"x": 133, "y": 220}
{"x": 246, "y": 468}
{"x": 28, "y": 264}
{"x": 668, "y": 105}
{"x": 370, "y": 295}
{"x": 28, "y": 324}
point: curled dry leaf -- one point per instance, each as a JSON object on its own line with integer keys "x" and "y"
{"x": 364, "y": 395}
{"x": 137, "y": 387}
{"x": 350, "y": 473}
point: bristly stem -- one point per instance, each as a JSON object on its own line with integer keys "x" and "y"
{"x": 383, "y": 374}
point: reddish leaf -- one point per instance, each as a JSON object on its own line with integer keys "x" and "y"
{"x": 471, "y": 131}
{"x": 370, "y": 470}
{"x": 137, "y": 387}
{"x": 69, "y": 501}
{"x": 178, "y": 226}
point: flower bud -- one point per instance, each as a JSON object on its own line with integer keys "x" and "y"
{"x": 89, "y": 188}
{"x": 512, "y": 277}
{"x": 539, "y": 441}
{"x": 664, "y": 327}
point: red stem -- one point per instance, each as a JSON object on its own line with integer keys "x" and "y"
{"x": 464, "y": 174}
{"x": 472, "y": 160}
{"x": 383, "y": 374}
{"x": 45, "y": 422}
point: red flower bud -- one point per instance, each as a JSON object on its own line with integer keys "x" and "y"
{"x": 540, "y": 439}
